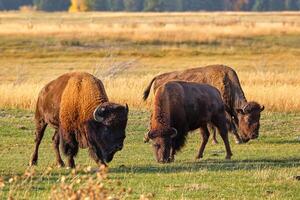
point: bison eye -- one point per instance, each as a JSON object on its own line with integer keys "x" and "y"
{"x": 157, "y": 146}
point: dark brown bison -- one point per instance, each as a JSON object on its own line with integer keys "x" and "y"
{"x": 245, "y": 115}
{"x": 77, "y": 107}
{"x": 180, "y": 107}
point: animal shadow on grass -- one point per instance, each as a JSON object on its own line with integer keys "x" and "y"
{"x": 210, "y": 165}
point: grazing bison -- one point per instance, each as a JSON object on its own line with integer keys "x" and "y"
{"x": 245, "y": 115}
{"x": 180, "y": 107}
{"x": 77, "y": 107}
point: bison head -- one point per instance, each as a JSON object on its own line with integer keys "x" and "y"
{"x": 248, "y": 120}
{"x": 106, "y": 131}
{"x": 162, "y": 143}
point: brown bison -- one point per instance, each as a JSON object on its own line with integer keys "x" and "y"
{"x": 77, "y": 107}
{"x": 180, "y": 107}
{"x": 245, "y": 115}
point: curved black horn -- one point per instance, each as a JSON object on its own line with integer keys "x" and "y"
{"x": 175, "y": 133}
{"x": 262, "y": 108}
{"x": 126, "y": 108}
{"x": 146, "y": 137}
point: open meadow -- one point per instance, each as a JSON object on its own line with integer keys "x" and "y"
{"x": 126, "y": 50}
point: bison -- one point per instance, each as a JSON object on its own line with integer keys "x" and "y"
{"x": 77, "y": 107}
{"x": 245, "y": 115}
{"x": 180, "y": 107}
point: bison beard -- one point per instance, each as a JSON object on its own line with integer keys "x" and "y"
{"x": 77, "y": 106}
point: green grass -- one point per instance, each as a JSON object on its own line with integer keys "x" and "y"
{"x": 260, "y": 169}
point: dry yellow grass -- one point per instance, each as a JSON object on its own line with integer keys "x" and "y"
{"x": 271, "y": 78}
{"x": 166, "y": 27}
{"x": 277, "y": 93}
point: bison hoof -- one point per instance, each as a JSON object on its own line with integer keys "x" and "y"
{"x": 228, "y": 157}
{"x": 60, "y": 164}
{"x": 32, "y": 163}
{"x": 198, "y": 157}
{"x": 239, "y": 142}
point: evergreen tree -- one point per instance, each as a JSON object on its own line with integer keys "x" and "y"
{"x": 48, "y": 5}
{"x": 261, "y": 5}
{"x": 97, "y": 4}
{"x": 13, "y": 4}
{"x": 298, "y": 4}
{"x": 169, "y": 5}
{"x": 276, "y": 5}
{"x": 133, "y": 5}
{"x": 115, "y": 5}
{"x": 152, "y": 5}
{"x": 291, "y": 5}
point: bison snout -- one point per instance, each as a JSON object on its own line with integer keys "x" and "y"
{"x": 254, "y": 136}
{"x": 119, "y": 147}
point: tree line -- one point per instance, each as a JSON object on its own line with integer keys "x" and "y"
{"x": 153, "y": 5}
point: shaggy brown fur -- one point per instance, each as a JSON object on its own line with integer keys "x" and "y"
{"x": 180, "y": 107}
{"x": 226, "y": 81}
{"x": 67, "y": 104}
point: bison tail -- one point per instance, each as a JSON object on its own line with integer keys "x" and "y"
{"x": 147, "y": 90}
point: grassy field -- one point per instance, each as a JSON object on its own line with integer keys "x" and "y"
{"x": 262, "y": 169}
{"x": 126, "y": 50}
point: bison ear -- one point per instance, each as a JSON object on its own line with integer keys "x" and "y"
{"x": 240, "y": 111}
{"x": 99, "y": 113}
{"x": 262, "y": 108}
{"x": 174, "y": 133}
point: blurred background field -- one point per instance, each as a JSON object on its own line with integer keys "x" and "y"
{"x": 126, "y": 50}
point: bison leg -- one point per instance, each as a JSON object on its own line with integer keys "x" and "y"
{"x": 70, "y": 146}
{"x": 205, "y": 135}
{"x": 220, "y": 123}
{"x": 55, "y": 140}
{"x": 39, "y": 133}
{"x": 214, "y": 131}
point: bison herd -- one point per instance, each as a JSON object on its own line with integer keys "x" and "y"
{"x": 77, "y": 107}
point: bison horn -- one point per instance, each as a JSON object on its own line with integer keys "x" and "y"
{"x": 97, "y": 114}
{"x": 126, "y": 107}
{"x": 175, "y": 133}
{"x": 146, "y": 137}
{"x": 262, "y": 108}
{"x": 244, "y": 108}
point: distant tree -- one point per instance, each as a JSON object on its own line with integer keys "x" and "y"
{"x": 276, "y": 5}
{"x": 13, "y": 4}
{"x": 115, "y": 5}
{"x": 48, "y": 5}
{"x": 153, "y": 5}
{"x": 1, "y": 5}
{"x": 261, "y": 5}
{"x": 133, "y": 5}
{"x": 97, "y": 4}
{"x": 298, "y": 4}
{"x": 216, "y": 5}
{"x": 248, "y": 5}
{"x": 169, "y": 5}
{"x": 291, "y": 5}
